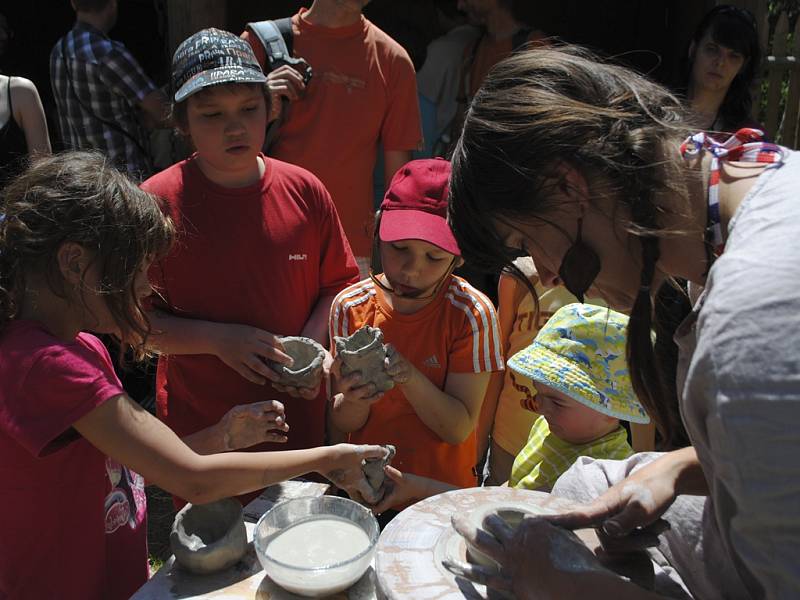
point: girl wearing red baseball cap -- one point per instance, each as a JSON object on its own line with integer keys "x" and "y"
{"x": 442, "y": 333}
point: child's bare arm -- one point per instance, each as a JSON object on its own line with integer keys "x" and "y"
{"x": 242, "y": 347}
{"x": 129, "y": 434}
{"x": 506, "y": 313}
{"x": 316, "y": 326}
{"x": 451, "y": 413}
{"x": 488, "y": 409}
{"x": 403, "y": 488}
{"x": 242, "y": 426}
{"x": 643, "y": 437}
{"x": 351, "y": 401}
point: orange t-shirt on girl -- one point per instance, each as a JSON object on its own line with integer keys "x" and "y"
{"x": 456, "y": 333}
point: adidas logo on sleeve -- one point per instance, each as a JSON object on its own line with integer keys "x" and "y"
{"x": 432, "y": 362}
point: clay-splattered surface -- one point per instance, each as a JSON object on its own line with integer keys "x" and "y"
{"x": 246, "y": 579}
{"x": 413, "y": 545}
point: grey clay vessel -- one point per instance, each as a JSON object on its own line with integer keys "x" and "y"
{"x": 365, "y": 352}
{"x": 206, "y": 538}
{"x": 306, "y": 371}
{"x": 373, "y": 471}
{"x": 511, "y": 513}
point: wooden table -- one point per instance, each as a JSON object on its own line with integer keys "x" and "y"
{"x": 246, "y": 579}
{"x": 409, "y": 551}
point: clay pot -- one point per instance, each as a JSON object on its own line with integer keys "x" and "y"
{"x": 306, "y": 371}
{"x": 373, "y": 471}
{"x": 512, "y": 514}
{"x": 365, "y": 352}
{"x": 206, "y": 538}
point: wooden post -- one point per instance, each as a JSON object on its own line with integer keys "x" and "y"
{"x": 775, "y": 80}
{"x": 790, "y": 113}
{"x": 760, "y": 11}
{"x": 185, "y": 17}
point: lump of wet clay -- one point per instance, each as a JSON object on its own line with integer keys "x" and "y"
{"x": 306, "y": 371}
{"x": 511, "y": 513}
{"x": 373, "y": 471}
{"x": 206, "y": 538}
{"x": 365, "y": 352}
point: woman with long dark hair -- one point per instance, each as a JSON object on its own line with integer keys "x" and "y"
{"x": 586, "y": 167}
{"x": 722, "y": 64}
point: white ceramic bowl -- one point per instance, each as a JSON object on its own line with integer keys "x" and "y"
{"x": 322, "y": 580}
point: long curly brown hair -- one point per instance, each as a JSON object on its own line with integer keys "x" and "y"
{"x": 79, "y": 197}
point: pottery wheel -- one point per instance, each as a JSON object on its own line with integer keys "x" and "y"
{"x": 412, "y": 547}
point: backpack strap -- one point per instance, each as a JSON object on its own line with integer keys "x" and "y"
{"x": 285, "y": 27}
{"x": 276, "y": 37}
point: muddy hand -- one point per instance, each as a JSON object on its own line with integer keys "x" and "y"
{"x": 250, "y": 424}
{"x": 247, "y": 349}
{"x": 396, "y": 365}
{"x": 536, "y": 560}
{"x": 351, "y": 387}
{"x": 628, "y": 515}
{"x": 399, "y": 488}
{"x": 345, "y": 469}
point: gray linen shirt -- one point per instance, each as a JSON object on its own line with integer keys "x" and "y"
{"x": 740, "y": 376}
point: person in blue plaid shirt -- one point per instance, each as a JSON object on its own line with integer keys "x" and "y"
{"x": 104, "y": 99}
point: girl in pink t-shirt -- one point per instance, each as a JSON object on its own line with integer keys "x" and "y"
{"x": 76, "y": 240}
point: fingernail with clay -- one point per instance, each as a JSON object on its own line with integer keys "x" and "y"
{"x": 612, "y": 529}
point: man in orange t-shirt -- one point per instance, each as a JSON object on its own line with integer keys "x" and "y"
{"x": 502, "y": 34}
{"x": 443, "y": 336}
{"x": 363, "y": 93}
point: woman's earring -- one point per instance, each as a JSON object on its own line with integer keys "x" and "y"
{"x": 580, "y": 266}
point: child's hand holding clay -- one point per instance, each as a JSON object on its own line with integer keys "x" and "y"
{"x": 351, "y": 388}
{"x": 247, "y": 349}
{"x": 401, "y": 489}
{"x": 306, "y": 393}
{"x": 397, "y": 366}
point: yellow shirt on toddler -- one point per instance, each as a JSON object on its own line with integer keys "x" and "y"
{"x": 545, "y": 457}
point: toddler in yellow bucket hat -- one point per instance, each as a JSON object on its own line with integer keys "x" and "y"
{"x": 577, "y": 379}
{"x": 577, "y": 369}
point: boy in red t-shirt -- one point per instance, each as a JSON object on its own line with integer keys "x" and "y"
{"x": 443, "y": 335}
{"x": 260, "y": 250}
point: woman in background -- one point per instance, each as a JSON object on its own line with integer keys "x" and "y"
{"x": 723, "y": 61}
{"x": 23, "y": 128}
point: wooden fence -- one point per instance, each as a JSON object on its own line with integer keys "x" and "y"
{"x": 778, "y": 97}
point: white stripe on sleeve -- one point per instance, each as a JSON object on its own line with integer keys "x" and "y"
{"x": 475, "y": 297}
{"x": 476, "y": 363}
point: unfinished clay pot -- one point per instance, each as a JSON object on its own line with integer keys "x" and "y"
{"x": 365, "y": 352}
{"x": 373, "y": 471}
{"x": 306, "y": 371}
{"x": 512, "y": 514}
{"x": 206, "y": 538}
